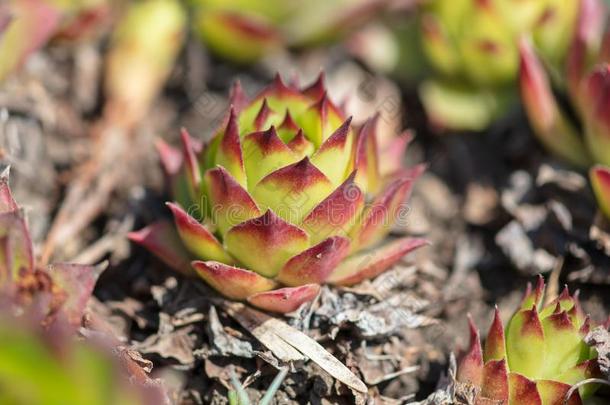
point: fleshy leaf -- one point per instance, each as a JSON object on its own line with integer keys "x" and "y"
{"x": 77, "y": 281}
{"x": 553, "y": 393}
{"x": 369, "y": 264}
{"x": 495, "y": 380}
{"x": 563, "y": 344}
{"x": 533, "y": 297}
{"x": 525, "y": 344}
{"x": 470, "y": 370}
{"x": 293, "y": 191}
{"x": 585, "y": 370}
{"x": 495, "y": 345}
{"x": 522, "y": 390}
{"x": 16, "y": 250}
{"x": 233, "y": 282}
{"x": 7, "y": 203}
{"x": 382, "y": 213}
{"x": 162, "y": 239}
{"x": 229, "y": 153}
{"x": 337, "y": 214}
{"x": 230, "y": 203}
{"x": 366, "y": 158}
{"x": 191, "y": 166}
{"x": 333, "y": 157}
{"x": 284, "y": 300}
{"x": 552, "y": 128}
{"x": 266, "y": 243}
{"x": 315, "y": 264}
{"x": 264, "y": 153}
{"x": 197, "y": 238}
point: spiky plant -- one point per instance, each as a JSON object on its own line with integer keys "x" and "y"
{"x": 472, "y": 48}
{"x": 577, "y": 131}
{"x": 55, "y": 293}
{"x": 287, "y": 193}
{"x": 537, "y": 358}
{"x": 584, "y": 84}
{"x": 245, "y": 31}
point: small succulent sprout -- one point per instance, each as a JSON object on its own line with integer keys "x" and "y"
{"x": 537, "y": 358}
{"x": 58, "y": 292}
{"x": 472, "y": 46}
{"x": 287, "y": 195}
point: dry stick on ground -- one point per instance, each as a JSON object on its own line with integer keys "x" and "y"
{"x": 90, "y": 191}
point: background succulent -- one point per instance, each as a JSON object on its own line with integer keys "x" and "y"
{"x": 537, "y": 358}
{"x": 245, "y": 31}
{"x": 472, "y": 47}
{"x": 577, "y": 131}
{"x": 286, "y": 193}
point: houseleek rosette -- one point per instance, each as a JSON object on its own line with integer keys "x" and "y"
{"x": 287, "y": 195}
{"x": 471, "y": 46}
{"x": 537, "y": 358}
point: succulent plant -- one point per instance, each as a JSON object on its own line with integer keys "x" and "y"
{"x": 245, "y": 31}
{"x": 584, "y": 84}
{"x": 537, "y": 358}
{"x": 287, "y": 192}
{"x": 56, "y": 293}
{"x": 574, "y": 125}
{"x": 472, "y": 47}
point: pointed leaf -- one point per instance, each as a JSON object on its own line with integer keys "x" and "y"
{"x": 300, "y": 146}
{"x": 320, "y": 120}
{"x": 77, "y": 282}
{"x": 563, "y": 344}
{"x": 495, "y": 345}
{"x": 337, "y": 214}
{"x": 16, "y": 251}
{"x": 266, "y": 243}
{"x": 371, "y": 263}
{"x": 366, "y": 157}
{"x": 551, "y": 127}
{"x": 378, "y": 217}
{"x": 470, "y": 369}
{"x": 554, "y": 393}
{"x": 229, "y": 153}
{"x": 197, "y": 238}
{"x": 232, "y": 282}
{"x": 495, "y": 380}
{"x": 522, "y": 391}
{"x": 293, "y": 191}
{"x": 230, "y": 203}
{"x": 525, "y": 344}
{"x": 162, "y": 239}
{"x": 264, "y": 153}
{"x": 333, "y": 157}
{"x": 315, "y": 264}
{"x": 7, "y": 203}
{"x": 284, "y": 300}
